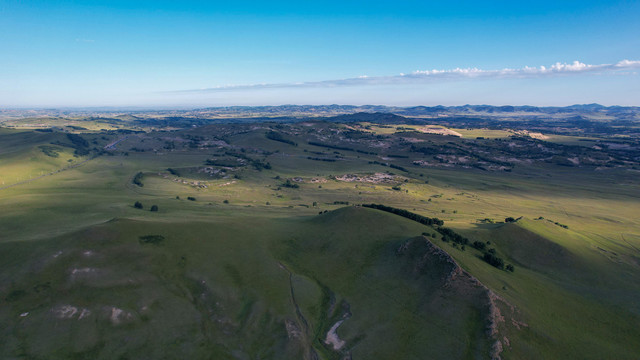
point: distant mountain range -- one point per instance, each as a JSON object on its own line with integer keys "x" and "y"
{"x": 587, "y": 111}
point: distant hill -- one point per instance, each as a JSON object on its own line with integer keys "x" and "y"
{"x": 376, "y": 117}
{"x": 298, "y": 111}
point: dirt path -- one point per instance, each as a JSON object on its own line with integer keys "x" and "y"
{"x": 112, "y": 146}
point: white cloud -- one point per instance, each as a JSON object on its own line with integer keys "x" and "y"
{"x": 435, "y": 75}
{"x": 576, "y": 66}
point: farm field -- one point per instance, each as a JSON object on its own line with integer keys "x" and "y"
{"x": 251, "y": 241}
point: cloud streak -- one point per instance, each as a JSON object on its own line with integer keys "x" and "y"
{"x": 428, "y": 76}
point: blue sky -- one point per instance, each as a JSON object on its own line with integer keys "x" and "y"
{"x": 197, "y": 53}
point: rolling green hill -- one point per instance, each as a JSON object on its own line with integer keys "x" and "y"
{"x": 258, "y": 248}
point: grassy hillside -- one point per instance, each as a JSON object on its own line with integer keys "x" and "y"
{"x": 256, "y": 250}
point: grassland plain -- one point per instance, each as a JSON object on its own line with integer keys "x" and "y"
{"x": 248, "y": 268}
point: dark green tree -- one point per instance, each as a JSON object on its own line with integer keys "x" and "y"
{"x": 509, "y": 267}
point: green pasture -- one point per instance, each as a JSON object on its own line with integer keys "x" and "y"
{"x": 248, "y": 268}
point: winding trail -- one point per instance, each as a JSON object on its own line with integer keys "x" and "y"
{"x": 628, "y": 243}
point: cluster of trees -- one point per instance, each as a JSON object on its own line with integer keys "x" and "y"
{"x": 378, "y": 163}
{"x": 450, "y": 235}
{"x": 259, "y": 164}
{"x": 151, "y": 239}
{"x": 389, "y": 165}
{"x": 493, "y": 260}
{"x": 138, "y": 205}
{"x": 289, "y": 184}
{"x": 79, "y": 144}
{"x": 50, "y": 151}
{"x": 407, "y": 214}
{"x": 398, "y": 167}
{"x": 320, "y": 159}
{"x": 138, "y": 179}
{"x": 366, "y": 152}
{"x": 559, "y": 224}
{"x": 490, "y": 257}
{"x": 276, "y": 136}
{"x": 479, "y": 245}
{"x": 337, "y": 147}
{"x": 173, "y": 172}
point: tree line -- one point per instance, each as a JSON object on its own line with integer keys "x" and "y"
{"x": 407, "y": 214}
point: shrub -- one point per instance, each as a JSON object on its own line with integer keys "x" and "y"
{"x": 154, "y": 207}
{"x": 151, "y": 239}
{"x": 191, "y": 198}
{"x": 289, "y": 184}
{"x": 138, "y": 205}
{"x": 173, "y": 172}
{"x": 509, "y": 267}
